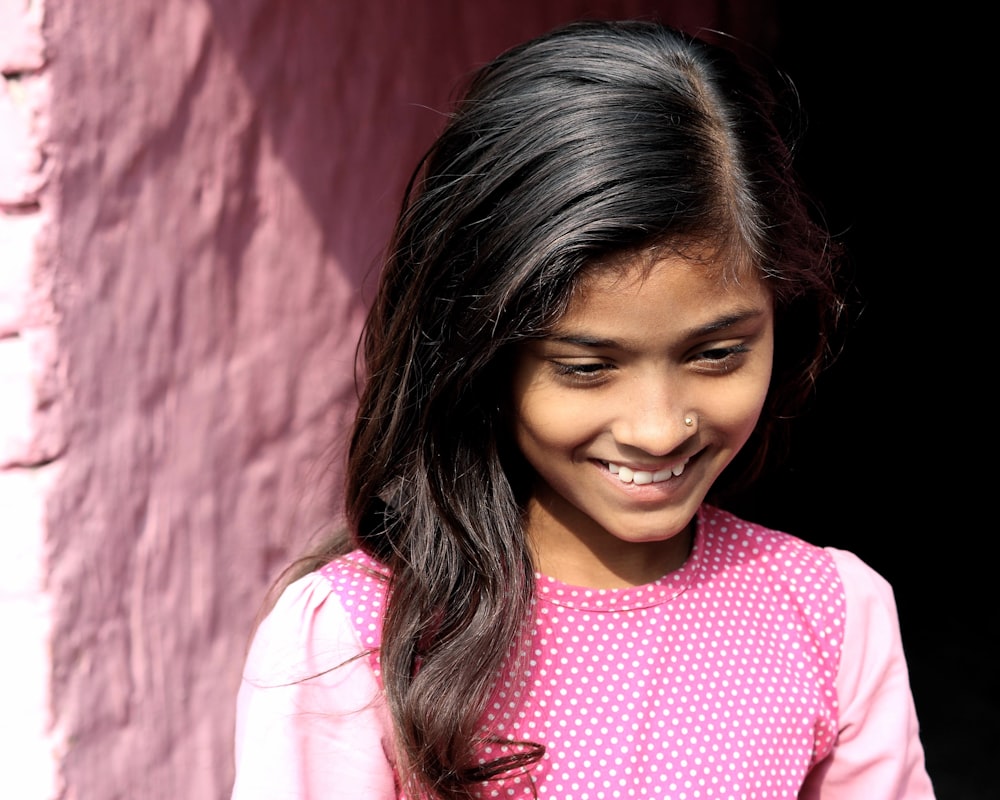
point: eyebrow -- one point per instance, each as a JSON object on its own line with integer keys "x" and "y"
{"x": 714, "y": 326}
{"x": 726, "y": 321}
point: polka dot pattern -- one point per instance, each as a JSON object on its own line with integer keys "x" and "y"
{"x": 717, "y": 681}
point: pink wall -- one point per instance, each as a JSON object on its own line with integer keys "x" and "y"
{"x": 191, "y": 197}
{"x": 30, "y": 439}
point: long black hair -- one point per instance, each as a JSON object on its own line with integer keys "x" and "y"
{"x": 596, "y": 140}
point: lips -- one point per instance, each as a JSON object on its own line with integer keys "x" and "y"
{"x": 641, "y": 477}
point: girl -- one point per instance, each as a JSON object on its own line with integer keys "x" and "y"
{"x": 603, "y": 292}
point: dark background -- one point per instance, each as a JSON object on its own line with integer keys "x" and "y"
{"x": 887, "y": 460}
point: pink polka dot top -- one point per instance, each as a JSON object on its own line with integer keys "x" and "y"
{"x": 719, "y": 680}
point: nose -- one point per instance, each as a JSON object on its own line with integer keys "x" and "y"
{"x": 656, "y": 419}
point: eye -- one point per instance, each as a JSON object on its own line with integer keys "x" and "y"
{"x": 721, "y": 359}
{"x": 582, "y": 371}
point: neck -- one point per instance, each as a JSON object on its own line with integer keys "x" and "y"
{"x": 582, "y": 555}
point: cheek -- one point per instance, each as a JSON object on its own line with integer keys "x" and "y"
{"x": 738, "y": 410}
{"x": 539, "y": 427}
{"x": 550, "y": 425}
{"x": 543, "y": 417}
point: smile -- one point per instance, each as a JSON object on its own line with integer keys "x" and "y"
{"x": 641, "y": 476}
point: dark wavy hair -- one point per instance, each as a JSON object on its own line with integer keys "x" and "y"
{"x": 597, "y": 140}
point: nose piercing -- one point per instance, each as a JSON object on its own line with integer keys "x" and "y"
{"x": 689, "y": 421}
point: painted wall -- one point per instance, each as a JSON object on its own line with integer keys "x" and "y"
{"x": 192, "y": 200}
{"x": 31, "y": 441}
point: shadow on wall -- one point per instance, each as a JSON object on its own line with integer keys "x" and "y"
{"x": 350, "y": 100}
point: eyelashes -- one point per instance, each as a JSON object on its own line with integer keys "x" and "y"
{"x": 715, "y": 360}
{"x": 563, "y": 368}
{"x": 582, "y": 373}
{"x": 722, "y": 359}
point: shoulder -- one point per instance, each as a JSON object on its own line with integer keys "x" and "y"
{"x": 359, "y": 584}
{"x": 776, "y": 570}
{"x": 729, "y": 539}
{"x": 862, "y": 583}
{"x": 724, "y": 524}
{"x": 354, "y": 574}
{"x": 312, "y": 626}
{"x": 865, "y": 597}
{"x": 727, "y": 533}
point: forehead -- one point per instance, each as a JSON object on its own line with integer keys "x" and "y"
{"x": 668, "y": 285}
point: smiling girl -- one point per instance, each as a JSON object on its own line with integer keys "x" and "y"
{"x": 603, "y": 292}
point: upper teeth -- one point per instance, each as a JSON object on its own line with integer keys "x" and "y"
{"x": 641, "y": 476}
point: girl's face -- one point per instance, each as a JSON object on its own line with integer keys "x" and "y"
{"x": 631, "y": 407}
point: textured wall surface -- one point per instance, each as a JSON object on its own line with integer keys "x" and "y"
{"x": 192, "y": 200}
{"x": 30, "y": 435}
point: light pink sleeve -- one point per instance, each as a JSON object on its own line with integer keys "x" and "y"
{"x": 308, "y": 725}
{"x": 878, "y": 752}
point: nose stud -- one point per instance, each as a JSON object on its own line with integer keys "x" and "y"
{"x": 689, "y": 421}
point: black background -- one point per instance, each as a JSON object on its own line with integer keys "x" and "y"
{"x": 888, "y": 461}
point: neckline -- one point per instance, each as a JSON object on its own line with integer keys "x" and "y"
{"x": 665, "y": 588}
